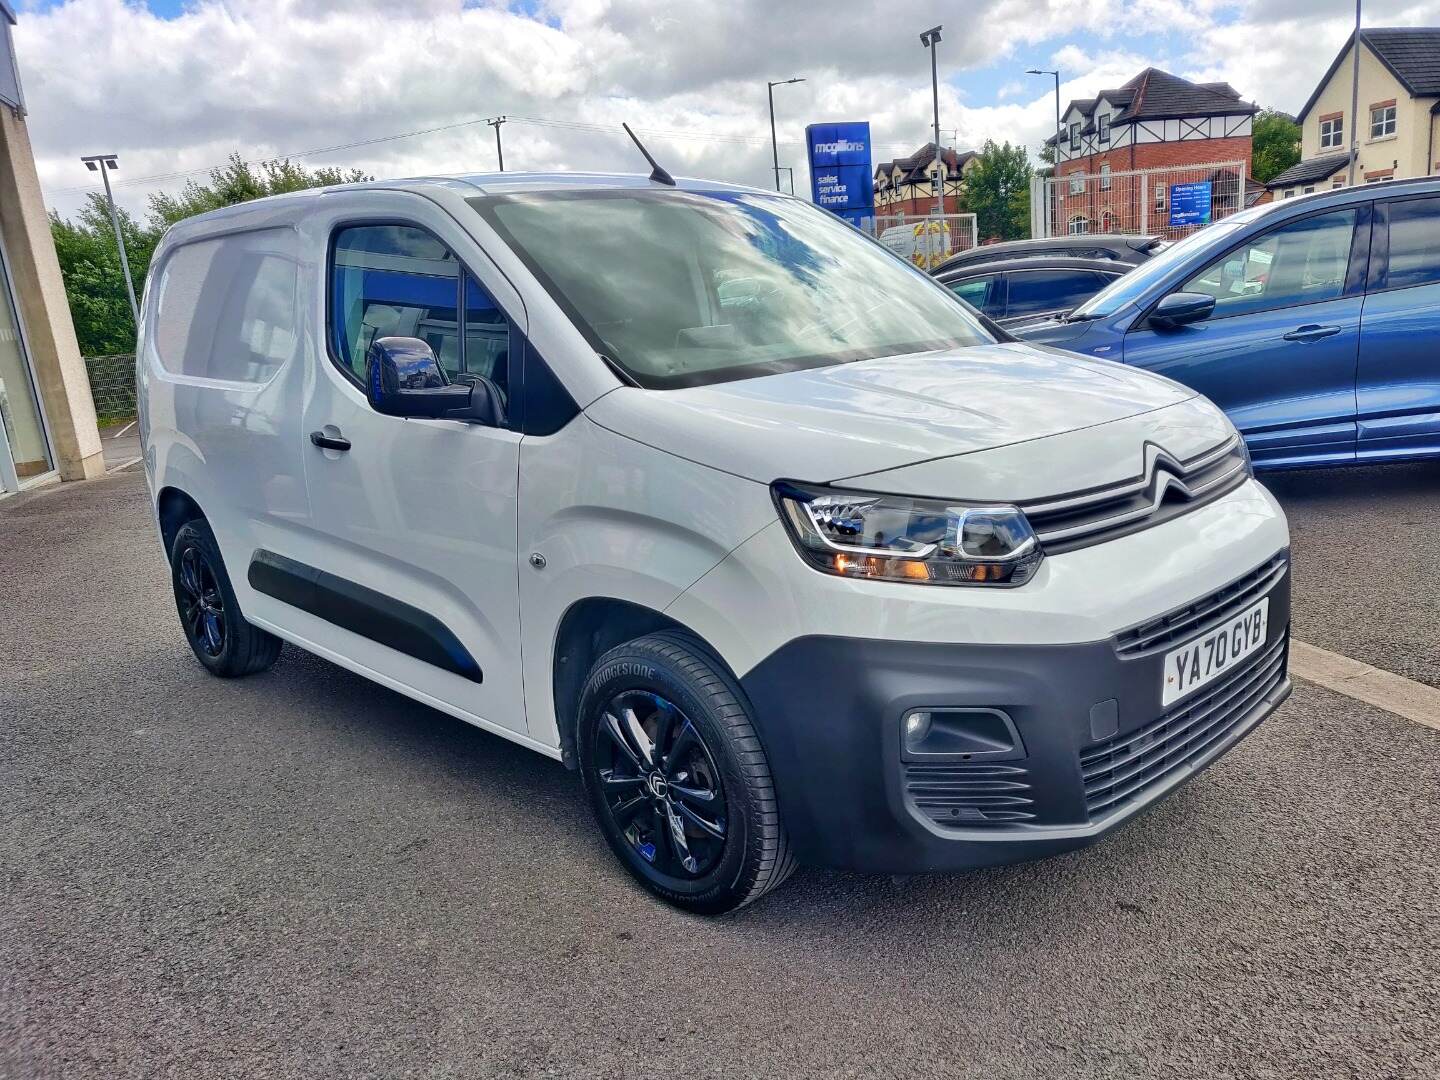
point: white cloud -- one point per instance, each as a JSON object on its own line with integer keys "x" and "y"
{"x": 270, "y": 77}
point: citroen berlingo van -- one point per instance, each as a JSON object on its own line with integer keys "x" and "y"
{"x": 701, "y": 492}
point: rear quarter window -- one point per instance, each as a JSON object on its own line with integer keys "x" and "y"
{"x": 227, "y": 307}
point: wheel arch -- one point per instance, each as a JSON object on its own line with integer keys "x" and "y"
{"x": 588, "y": 629}
{"x": 173, "y": 508}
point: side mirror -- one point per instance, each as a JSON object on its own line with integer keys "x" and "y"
{"x": 403, "y": 378}
{"x": 1180, "y": 309}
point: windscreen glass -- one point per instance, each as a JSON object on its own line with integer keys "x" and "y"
{"x": 686, "y": 288}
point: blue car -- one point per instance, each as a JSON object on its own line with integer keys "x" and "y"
{"x": 1313, "y": 322}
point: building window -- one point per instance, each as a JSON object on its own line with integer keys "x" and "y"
{"x": 1380, "y": 178}
{"x": 1159, "y": 198}
{"x": 1336, "y": 184}
{"x": 1104, "y": 177}
{"x": 1289, "y": 193}
{"x": 1077, "y": 185}
{"x": 1309, "y": 190}
{"x": 1074, "y": 136}
{"x": 1079, "y": 226}
{"x": 1382, "y": 121}
{"x": 1332, "y": 133}
{"x": 1102, "y": 128}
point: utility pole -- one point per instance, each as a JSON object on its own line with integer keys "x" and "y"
{"x": 105, "y": 164}
{"x": 930, "y": 38}
{"x": 1355, "y": 100}
{"x": 774, "y": 145}
{"x": 499, "y": 150}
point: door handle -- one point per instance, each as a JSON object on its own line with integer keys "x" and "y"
{"x": 1312, "y": 332}
{"x": 329, "y": 442}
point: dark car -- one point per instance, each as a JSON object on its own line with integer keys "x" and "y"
{"x": 1132, "y": 250}
{"x": 1314, "y": 322}
{"x": 1014, "y": 291}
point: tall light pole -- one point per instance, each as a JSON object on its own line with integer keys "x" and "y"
{"x": 1046, "y": 71}
{"x": 774, "y": 145}
{"x": 1355, "y": 100}
{"x": 105, "y": 164}
{"x": 499, "y": 150}
{"x": 930, "y": 38}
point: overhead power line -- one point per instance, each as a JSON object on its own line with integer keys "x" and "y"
{"x": 534, "y": 121}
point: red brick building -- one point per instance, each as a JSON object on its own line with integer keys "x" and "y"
{"x": 1155, "y": 121}
{"x": 907, "y": 185}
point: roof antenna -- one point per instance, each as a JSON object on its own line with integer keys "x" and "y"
{"x": 657, "y": 174}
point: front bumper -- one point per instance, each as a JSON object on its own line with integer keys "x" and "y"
{"x": 830, "y": 711}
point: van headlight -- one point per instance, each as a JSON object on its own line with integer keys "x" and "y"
{"x": 898, "y": 538}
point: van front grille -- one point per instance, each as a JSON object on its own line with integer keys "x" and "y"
{"x": 1122, "y": 769}
{"x": 1166, "y": 489}
{"x": 1202, "y": 615}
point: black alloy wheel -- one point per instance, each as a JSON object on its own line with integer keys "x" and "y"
{"x": 661, "y": 786}
{"x": 677, "y": 776}
{"x": 202, "y": 607}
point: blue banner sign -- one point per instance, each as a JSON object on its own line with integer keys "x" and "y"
{"x": 1190, "y": 203}
{"x": 841, "y": 176}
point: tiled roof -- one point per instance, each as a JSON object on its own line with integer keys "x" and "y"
{"x": 1158, "y": 95}
{"x": 1310, "y": 170}
{"x": 1411, "y": 53}
{"x": 914, "y": 166}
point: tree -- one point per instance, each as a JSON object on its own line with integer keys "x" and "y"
{"x": 1275, "y": 144}
{"x": 997, "y": 191}
{"x": 90, "y": 263}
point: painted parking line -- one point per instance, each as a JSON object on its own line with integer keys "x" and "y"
{"x": 124, "y": 429}
{"x": 1374, "y": 686}
{"x": 122, "y": 465}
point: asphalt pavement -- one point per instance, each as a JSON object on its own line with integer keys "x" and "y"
{"x": 303, "y": 874}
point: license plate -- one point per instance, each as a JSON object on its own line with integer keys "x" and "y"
{"x": 1204, "y": 659}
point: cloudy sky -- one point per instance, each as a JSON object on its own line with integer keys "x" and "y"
{"x": 174, "y": 86}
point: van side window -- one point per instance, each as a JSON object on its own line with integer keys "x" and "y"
{"x": 1414, "y": 239}
{"x": 400, "y": 281}
{"x": 227, "y": 307}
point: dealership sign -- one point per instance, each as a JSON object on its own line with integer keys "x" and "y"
{"x": 841, "y": 177}
{"x": 1190, "y": 204}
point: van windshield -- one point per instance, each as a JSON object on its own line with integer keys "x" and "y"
{"x": 684, "y": 288}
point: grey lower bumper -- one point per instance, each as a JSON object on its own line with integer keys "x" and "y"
{"x": 830, "y": 711}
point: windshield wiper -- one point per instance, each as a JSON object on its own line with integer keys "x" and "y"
{"x": 1075, "y": 316}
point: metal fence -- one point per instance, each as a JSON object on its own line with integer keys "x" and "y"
{"x": 1171, "y": 202}
{"x": 112, "y": 385}
{"x": 925, "y": 241}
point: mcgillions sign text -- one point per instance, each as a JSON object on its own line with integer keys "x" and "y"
{"x": 840, "y": 169}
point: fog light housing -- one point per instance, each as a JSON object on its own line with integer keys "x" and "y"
{"x": 961, "y": 734}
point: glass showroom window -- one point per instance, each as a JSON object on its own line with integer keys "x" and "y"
{"x": 1382, "y": 121}
{"x": 24, "y": 449}
{"x": 1332, "y": 133}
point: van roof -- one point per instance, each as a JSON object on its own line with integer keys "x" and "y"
{"x": 478, "y": 184}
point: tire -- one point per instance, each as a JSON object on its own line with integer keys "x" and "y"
{"x": 210, "y": 615}
{"x": 661, "y": 706}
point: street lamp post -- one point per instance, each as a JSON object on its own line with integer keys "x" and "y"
{"x": 774, "y": 144}
{"x": 1045, "y": 71}
{"x": 930, "y": 38}
{"x": 1055, "y": 161}
{"x": 105, "y": 164}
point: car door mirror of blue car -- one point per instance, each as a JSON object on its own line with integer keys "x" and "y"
{"x": 1181, "y": 309}
{"x": 403, "y": 378}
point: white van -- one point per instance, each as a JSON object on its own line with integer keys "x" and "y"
{"x": 702, "y": 492}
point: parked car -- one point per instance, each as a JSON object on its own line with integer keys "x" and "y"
{"x": 698, "y": 490}
{"x": 1314, "y": 322}
{"x": 1131, "y": 250}
{"x": 1015, "y": 291}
